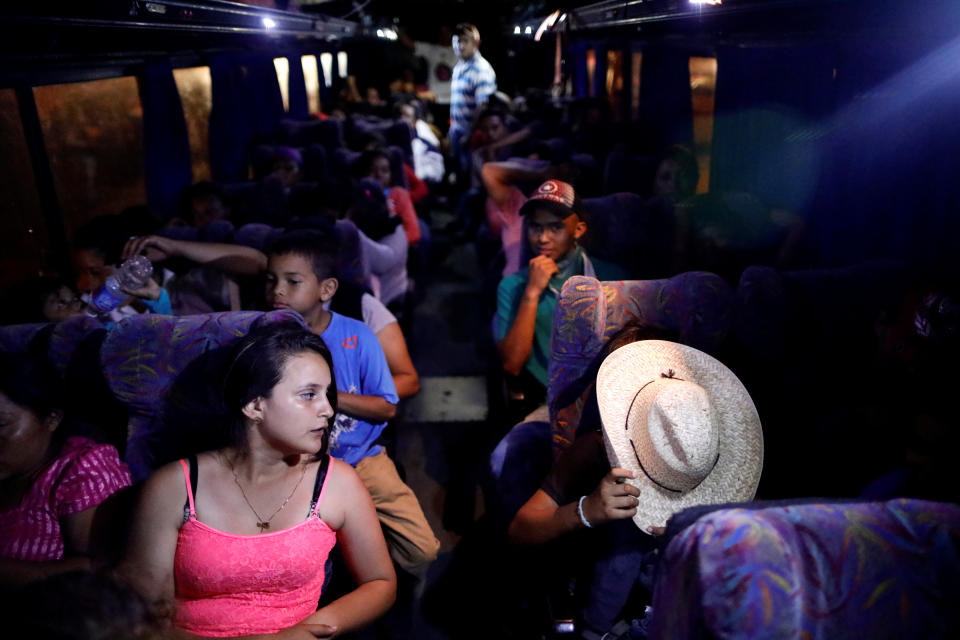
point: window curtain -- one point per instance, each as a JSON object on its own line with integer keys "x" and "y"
{"x": 167, "y": 161}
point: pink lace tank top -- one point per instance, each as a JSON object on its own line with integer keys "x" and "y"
{"x": 226, "y": 584}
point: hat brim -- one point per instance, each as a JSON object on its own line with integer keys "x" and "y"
{"x": 737, "y": 473}
{"x": 559, "y": 209}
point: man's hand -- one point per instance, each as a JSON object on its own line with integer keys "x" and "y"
{"x": 613, "y": 499}
{"x": 155, "y": 248}
{"x": 542, "y": 269}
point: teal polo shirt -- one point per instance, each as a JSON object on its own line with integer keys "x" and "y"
{"x": 509, "y": 294}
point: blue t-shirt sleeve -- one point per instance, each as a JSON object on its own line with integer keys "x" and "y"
{"x": 375, "y": 378}
{"x": 507, "y": 304}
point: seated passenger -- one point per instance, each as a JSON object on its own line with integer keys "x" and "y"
{"x": 677, "y": 174}
{"x": 52, "y": 487}
{"x": 198, "y": 537}
{"x": 555, "y": 220}
{"x": 202, "y": 203}
{"x": 301, "y": 275}
{"x": 383, "y": 243}
{"x": 287, "y": 165}
{"x": 40, "y": 299}
{"x": 97, "y": 250}
{"x": 206, "y": 283}
{"x": 375, "y": 164}
{"x": 692, "y": 437}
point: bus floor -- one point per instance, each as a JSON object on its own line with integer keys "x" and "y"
{"x": 443, "y": 435}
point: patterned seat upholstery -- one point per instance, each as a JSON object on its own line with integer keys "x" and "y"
{"x": 143, "y": 355}
{"x": 23, "y": 338}
{"x": 697, "y": 305}
{"x": 863, "y": 570}
{"x": 67, "y": 336}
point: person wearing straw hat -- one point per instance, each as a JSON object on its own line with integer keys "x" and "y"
{"x": 678, "y": 430}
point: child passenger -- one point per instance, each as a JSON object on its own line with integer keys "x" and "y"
{"x": 238, "y": 537}
{"x": 301, "y": 275}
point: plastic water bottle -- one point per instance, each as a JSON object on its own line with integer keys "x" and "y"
{"x": 132, "y": 274}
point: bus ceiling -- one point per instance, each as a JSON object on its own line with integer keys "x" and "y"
{"x": 80, "y": 29}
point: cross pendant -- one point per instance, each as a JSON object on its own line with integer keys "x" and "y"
{"x": 263, "y": 526}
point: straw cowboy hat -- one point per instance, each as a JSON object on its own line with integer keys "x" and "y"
{"x": 683, "y": 423}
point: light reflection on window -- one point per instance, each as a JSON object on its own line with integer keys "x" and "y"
{"x": 636, "y": 63}
{"x": 311, "y": 78}
{"x": 591, "y": 71}
{"x": 342, "y": 63}
{"x": 93, "y": 132}
{"x": 703, "y": 82}
{"x": 326, "y": 61}
{"x": 282, "y": 65}
{"x": 194, "y": 86}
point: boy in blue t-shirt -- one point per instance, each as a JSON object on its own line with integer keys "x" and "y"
{"x": 301, "y": 275}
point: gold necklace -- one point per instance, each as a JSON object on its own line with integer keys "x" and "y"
{"x": 264, "y": 524}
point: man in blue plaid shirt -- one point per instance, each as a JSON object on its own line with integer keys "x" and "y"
{"x": 474, "y": 81}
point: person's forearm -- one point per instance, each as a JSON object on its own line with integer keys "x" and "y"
{"x": 367, "y": 407}
{"x": 231, "y": 258}
{"x": 537, "y": 527}
{"x": 358, "y": 608}
{"x": 516, "y": 346}
{"x": 407, "y": 384}
{"x": 15, "y": 573}
{"x": 510, "y": 139}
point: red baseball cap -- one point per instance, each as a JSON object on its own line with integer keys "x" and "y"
{"x": 556, "y": 196}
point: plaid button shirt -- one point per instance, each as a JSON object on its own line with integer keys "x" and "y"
{"x": 474, "y": 81}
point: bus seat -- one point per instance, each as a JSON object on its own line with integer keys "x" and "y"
{"x": 398, "y": 134}
{"x": 634, "y": 233}
{"x": 315, "y": 165}
{"x": 25, "y": 338}
{"x": 697, "y": 305}
{"x": 66, "y": 336}
{"x": 298, "y": 133}
{"x": 343, "y": 163}
{"x": 815, "y": 570}
{"x": 396, "y": 168}
{"x": 142, "y": 357}
{"x": 626, "y": 171}
{"x": 257, "y": 235}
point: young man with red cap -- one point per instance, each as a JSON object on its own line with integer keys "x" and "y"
{"x": 554, "y": 221}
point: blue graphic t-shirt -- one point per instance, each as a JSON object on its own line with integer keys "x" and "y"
{"x": 359, "y": 367}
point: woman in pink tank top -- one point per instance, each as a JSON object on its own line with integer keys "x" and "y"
{"x": 237, "y": 538}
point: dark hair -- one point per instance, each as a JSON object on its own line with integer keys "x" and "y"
{"x": 369, "y": 211}
{"x": 23, "y": 302}
{"x": 198, "y": 191}
{"x": 106, "y": 234}
{"x": 320, "y": 248}
{"x": 31, "y": 382}
{"x": 256, "y": 366}
{"x": 365, "y": 161}
{"x": 467, "y": 29}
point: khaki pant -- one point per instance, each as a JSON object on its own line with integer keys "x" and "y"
{"x": 410, "y": 539}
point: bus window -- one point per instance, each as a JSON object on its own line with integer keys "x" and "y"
{"x": 636, "y": 63}
{"x": 591, "y": 71}
{"x": 311, "y": 78}
{"x": 195, "y": 95}
{"x": 23, "y": 234}
{"x": 93, "y": 132}
{"x": 342, "y": 63}
{"x": 326, "y": 61}
{"x": 614, "y": 83}
{"x": 282, "y": 65}
{"x": 703, "y": 82}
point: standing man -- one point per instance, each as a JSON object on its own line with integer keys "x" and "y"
{"x": 474, "y": 81}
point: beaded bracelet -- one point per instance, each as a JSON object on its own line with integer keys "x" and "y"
{"x": 583, "y": 518}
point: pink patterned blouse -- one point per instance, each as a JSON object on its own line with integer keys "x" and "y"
{"x": 83, "y": 475}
